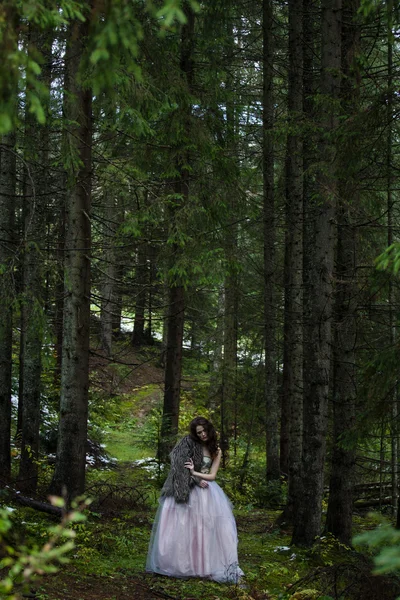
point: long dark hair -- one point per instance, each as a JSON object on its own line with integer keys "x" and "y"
{"x": 212, "y": 441}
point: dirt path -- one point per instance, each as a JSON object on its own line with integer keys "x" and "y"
{"x": 75, "y": 586}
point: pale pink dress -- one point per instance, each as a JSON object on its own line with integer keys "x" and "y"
{"x": 197, "y": 539}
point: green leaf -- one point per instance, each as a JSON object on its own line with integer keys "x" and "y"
{"x": 5, "y": 123}
{"x": 99, "y": 54}
{"x": 388, "y": 560}
{"x": 36, "y": 108}
{"x": 34, "y": 67}
{"x": 57, "y": 501}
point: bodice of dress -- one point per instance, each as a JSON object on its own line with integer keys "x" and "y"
{"x": 206, "y": 464}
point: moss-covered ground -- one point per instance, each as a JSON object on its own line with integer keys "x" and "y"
{"x": 108, "y": 564}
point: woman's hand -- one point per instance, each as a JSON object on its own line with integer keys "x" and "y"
{"x": 189, "y": 465}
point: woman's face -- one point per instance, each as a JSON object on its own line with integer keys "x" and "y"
{"x": 201, "y": 433}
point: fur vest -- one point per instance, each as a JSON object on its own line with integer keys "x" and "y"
{"x": 179, "y": 481}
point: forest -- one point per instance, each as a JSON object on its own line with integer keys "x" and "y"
{"x": 199, "y": 215}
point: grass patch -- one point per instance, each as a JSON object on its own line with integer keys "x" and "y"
{"x": 120, "y": 445}
{"x": 123, "y": 432}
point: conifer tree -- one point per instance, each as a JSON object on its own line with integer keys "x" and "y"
{"x": 8, "y": 111}
{"x": 71, "y": 449}
{"x": 318, "y": 289}
{"x": 344, "y": 385}
{"x": 177, "y": 203}
{"x": 271, "y": 395}
{"x": 37, "y": 194}
{"x": 292, "y": 401}
{"x": 7, "y": 294}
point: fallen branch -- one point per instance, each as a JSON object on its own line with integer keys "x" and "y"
{"x": 32, "y": 503}
{"x": 37, "y": 505}
{"x": 373, "y": 502}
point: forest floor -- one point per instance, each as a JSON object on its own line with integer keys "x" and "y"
{"x": 108, "y": 560}
{"x": 110, "y": 555}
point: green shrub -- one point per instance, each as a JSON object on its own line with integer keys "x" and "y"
{"x": 384, "y": 541}
{"x": 21, "y": 564}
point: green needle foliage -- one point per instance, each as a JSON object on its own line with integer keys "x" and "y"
{"x": 383, "y": 542}
{"x": 22, "y": 564}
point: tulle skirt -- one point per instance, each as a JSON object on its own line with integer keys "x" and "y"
{"x": 197, "y": 539}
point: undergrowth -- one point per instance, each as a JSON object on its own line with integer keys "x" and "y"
{"x": 115, "y": 547}
{"x": 111, "y": 544}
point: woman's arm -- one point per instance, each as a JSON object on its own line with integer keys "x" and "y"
{"x": 206, "y": 476}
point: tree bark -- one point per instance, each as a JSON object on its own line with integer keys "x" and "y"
{"x": 59, "y": 290}
{"x": 8, "y": 43}
{"x": 318, "y": 323}
{"x": 176, "y": 290}
{"x": 152, "y": 276}
{"x": 120, "y": 262}
{"x": 215, "y": 389}
{"x": 271, "y": 392}
{"x": 394, "y": 430}
{"x": 117, "y": 311}
{"x": 7, "y": 204}
{"x": 230, "y": 334}
{"x": 36, "y": 186}
{"x": 139, "y": 337}
{"x": 340, "y": 505}
{"x": 109, "y": 274}
{"x": 71, "y": 452}
{"x": 293, "y": 324}
{"x": 173, "y": 367}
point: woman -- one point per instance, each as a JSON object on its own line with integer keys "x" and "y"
{"x": 194, "y": 533}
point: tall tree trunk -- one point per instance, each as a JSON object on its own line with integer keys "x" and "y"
{"x": 230, "y": 334}
{"x": 119, "y": 272}
{"x": 71, "y": 451}
{"x": 215, "y": 390}
{"x": 173, "y": 366}
{"x": 394, "y": 430}
{"x": 139, "y": 338}
{"x": 109, "y": 273}
{"x": 18, "y": 432}
{"x": 318, "y": 338}
{"x": 152, "y": 275}
{"x": 271, "y": 391}
{"x": 59, "y": 288}
{"x": 7, "y": 204}
{"x": 176, "y": 290}
{"x": 382, "y": 461}
{"x": 8, "y": 45}
{"x": 340, "y": 505}
{"x": 36, "y": 186}
{"x": 20, "y": 214}
{"x": 60, "y": 248}
{"x": 230, "y": 296}
{"x": 293, "y": 325}
{"x": 117, "y": 309}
